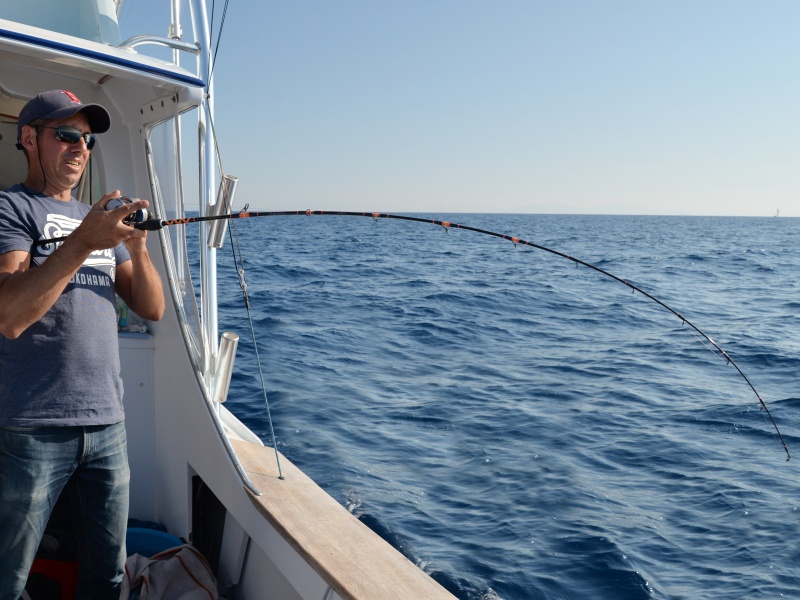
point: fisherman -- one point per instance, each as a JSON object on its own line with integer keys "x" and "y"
{"x": 61, "y": 414}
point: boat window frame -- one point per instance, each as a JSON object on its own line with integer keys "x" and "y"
{"x": 183, "y": 277}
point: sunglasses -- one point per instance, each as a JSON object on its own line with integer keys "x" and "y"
{"x": 70, "y": 135}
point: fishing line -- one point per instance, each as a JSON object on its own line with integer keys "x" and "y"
{"x": 219, "y": 34}
{"x": 154, "y": 224}
{"x": 239, "y": 264}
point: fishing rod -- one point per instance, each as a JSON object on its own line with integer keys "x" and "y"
{"x": 144, "y": 221}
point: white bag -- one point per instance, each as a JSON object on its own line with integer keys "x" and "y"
{"x": 180, "y": 573}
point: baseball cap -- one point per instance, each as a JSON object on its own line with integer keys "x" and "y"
{"x": 60, "y": 104}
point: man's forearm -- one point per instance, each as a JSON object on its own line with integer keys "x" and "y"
{"x": 27, "y": 294}
{"x": 146, "y": 291}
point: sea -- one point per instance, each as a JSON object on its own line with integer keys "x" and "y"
{"x": 522, "y": 426}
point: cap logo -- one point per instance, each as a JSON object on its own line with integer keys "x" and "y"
{"x": 72, "y": 97}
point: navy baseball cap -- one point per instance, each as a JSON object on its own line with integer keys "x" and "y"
{"x": 60, "y": 104}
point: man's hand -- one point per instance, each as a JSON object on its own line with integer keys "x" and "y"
{"x": 102, "y": 229}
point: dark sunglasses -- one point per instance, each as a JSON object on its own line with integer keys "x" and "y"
{"x": 70, "y": 135}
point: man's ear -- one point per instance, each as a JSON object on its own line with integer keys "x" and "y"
{"x": 28, "y": 138}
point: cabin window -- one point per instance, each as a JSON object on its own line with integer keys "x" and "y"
{"x": 173, "y": 147}
{"x": 13, "y": 167}
{"x": 89, "y": 189}
{"x": 94, "y": 20}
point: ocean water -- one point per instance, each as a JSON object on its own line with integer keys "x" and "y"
{"x": 523, "y": 428}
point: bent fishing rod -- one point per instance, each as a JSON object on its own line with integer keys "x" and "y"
{"x": 144, "y": 221}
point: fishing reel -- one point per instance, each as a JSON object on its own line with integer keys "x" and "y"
{"x": 138, "y": 216}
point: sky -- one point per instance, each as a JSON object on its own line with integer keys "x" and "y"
{"x": 516, "y": 106}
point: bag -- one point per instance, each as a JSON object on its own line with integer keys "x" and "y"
{"x": 180, "y": 573}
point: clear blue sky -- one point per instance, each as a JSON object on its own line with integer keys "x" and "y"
{"x": 619, "y": 106}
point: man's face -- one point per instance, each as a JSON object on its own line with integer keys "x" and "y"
{"x": 63, "y": 163}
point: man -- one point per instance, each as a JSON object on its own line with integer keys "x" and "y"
{"x": 61, "y": 414}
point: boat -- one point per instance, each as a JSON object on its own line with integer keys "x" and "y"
{"x": 266, "y": 529}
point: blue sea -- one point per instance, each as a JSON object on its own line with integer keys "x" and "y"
{"x": 524, "y": 428}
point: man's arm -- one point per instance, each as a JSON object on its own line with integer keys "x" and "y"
{"x": 138, "y": 284}
{"x": 27, "y": 294}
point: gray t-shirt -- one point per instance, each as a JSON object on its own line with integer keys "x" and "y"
{"x": 64, "y": 369}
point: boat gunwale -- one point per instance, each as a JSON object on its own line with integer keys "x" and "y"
{"x": 329, "y": 537}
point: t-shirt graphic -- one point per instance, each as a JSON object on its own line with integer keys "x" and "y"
{"x": 99, "y": 268}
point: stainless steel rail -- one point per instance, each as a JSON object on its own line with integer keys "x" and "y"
{"x": 139, "y": 40}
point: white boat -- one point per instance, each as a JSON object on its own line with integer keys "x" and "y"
{"x": 195, "y": 468}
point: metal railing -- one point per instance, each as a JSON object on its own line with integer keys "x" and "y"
{"x": 175, "y": 44}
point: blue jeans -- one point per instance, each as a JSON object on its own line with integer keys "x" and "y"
{"x": 36, "y": 464}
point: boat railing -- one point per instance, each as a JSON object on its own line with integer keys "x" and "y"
{"x": 174, "y": 44}
{"x": 198, "y": 48}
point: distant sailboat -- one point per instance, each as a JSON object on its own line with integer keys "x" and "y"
{"x": 778, "y": 212}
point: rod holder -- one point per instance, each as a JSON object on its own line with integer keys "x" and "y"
{"x": 218, "y": 228}
{"x": 222, "y": 374}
